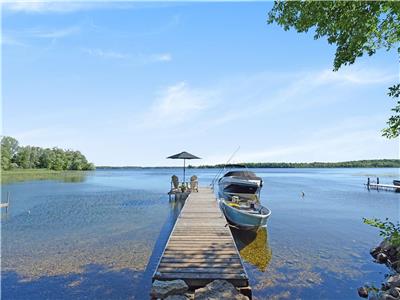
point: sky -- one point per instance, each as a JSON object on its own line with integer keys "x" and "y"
{"x": 130, "y": 83}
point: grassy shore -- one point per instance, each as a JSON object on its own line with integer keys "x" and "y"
{"x": 41, "y": 174}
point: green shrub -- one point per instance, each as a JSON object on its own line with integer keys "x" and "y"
{"x": 388, "y": 230}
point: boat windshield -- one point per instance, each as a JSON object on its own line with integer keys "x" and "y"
{"x": 243, "y": 174}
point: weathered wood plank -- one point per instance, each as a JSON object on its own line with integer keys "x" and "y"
{"x": 211, "y": 242}
{"x": 198, "y": 270}
{"x": 196, "y": 264}
{"x": 201, "y": 237}
{"x": 176, "y": 255}
{"x": 212, "y": 276}
{"x": 226, "y": 260}
{"x": 200, "y": 244}
{"x": 201, "y": 247}
{"x": 182, "y": 253}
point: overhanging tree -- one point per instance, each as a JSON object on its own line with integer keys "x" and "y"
{"x": 355, "y": 27}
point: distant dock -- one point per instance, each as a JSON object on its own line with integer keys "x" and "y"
{"x": 379, "y": 186}
{"x": 6, "y": 205}
{"x": 201, "y": 248}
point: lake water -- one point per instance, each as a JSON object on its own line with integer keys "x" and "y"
{"x": 101, "y": 238}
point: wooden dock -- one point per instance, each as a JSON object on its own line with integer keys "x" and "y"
{"x": 380, "y": 186}
{"x": 201, "y": 248}
{"x": 6, "y": 204}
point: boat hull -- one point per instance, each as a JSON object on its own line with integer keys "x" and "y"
{"x": 241, "y": 219}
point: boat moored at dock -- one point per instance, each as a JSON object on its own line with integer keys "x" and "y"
{"x": 245, "y": 215}
{"x": 244, "y": 184}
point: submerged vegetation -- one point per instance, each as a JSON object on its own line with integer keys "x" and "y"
{"x": 374, "y": 163}
{"x": 14, "y": 156}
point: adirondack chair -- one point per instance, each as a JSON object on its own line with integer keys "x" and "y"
{"x": 194, "y": 183}
{"x": 175, "y": 184}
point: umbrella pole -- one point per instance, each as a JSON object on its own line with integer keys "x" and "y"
{"x": 184, "y": 165}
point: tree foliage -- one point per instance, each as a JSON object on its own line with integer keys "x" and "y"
{"x": 393, "y": 129}
{"x": 355, "y": 27}
{"x": 387, "y": 229}
{"x": 9, "y": 148}
{"x": 373, "y": 163}
{"x": 29, "y": 157}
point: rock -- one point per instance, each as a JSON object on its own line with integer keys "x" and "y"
{"x": 374, "y": 251}
{"x": 176, "y": 297}
{"x": 163, "y": 289}
{"x": 381, "y": 258}
{"x": 394, "y": 280}
{"x": 391, "y": 252}
{"x": 362, "y": 292}
{"x": 218, "y": 290}
{"x": 387, "y": 297}
{"x": 395, "y": 264}
{"x": 190, "y": 296}
{"x": 394, "y": 292}
{"x": 385, "y": 245}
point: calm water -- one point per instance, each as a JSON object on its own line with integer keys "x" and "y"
{"x": 101, "y": 238}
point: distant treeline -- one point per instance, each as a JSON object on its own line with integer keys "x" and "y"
{"x": 14, "y": 156}
{"x": 373, "y": 163}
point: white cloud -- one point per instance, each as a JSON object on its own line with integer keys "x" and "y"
{"x": 54, "y": 33}
{"x": 348, "y": 145}
{"x": 136, "y": 59}
{"x": 179, "y": 99}
{"x": 253, "y": 96}
{"x": 54, "y": 6}
{"x": 242, "y": 106}
{"x": 162, "y": 57}
{"x": 176, "y": 104}
{"x": 106, "y": 53}
{"x": 24, "y": 37}
{"x": 11, "y": 41}
{"x": 355, "y": 75}
{"x": 272, "y": 92}
{"x": 64, "y": 6}
{"x": 352, "y": 139}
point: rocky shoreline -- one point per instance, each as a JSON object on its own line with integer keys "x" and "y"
{"x": 387, "y": 254}
{"x": 178, "y": 290}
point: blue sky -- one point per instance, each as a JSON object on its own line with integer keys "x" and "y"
{"x": 131, "y": 83}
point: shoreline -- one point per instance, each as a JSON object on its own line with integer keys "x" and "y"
{"x": 373, "y": 163}
{"x": 20, "y": 175}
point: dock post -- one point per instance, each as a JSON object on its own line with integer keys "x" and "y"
{"x": 377, "y": 180}
{"x": 8, "y": 202}
{"x": 368, "y": 182}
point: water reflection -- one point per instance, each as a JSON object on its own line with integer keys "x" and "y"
{"x": 176, "y": 205}
{"x": 74, "y": 178}
{"x": 253, "y": 246}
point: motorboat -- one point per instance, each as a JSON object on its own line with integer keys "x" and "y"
{"x": 396, "y": 182}
{"x": 244, "y": 214}
{"x": 244, "y": 184}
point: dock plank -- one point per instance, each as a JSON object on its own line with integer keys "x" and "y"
{"x": 201, "y": 248}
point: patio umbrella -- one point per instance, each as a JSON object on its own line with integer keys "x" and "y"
{"x": 183, "y": 155}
